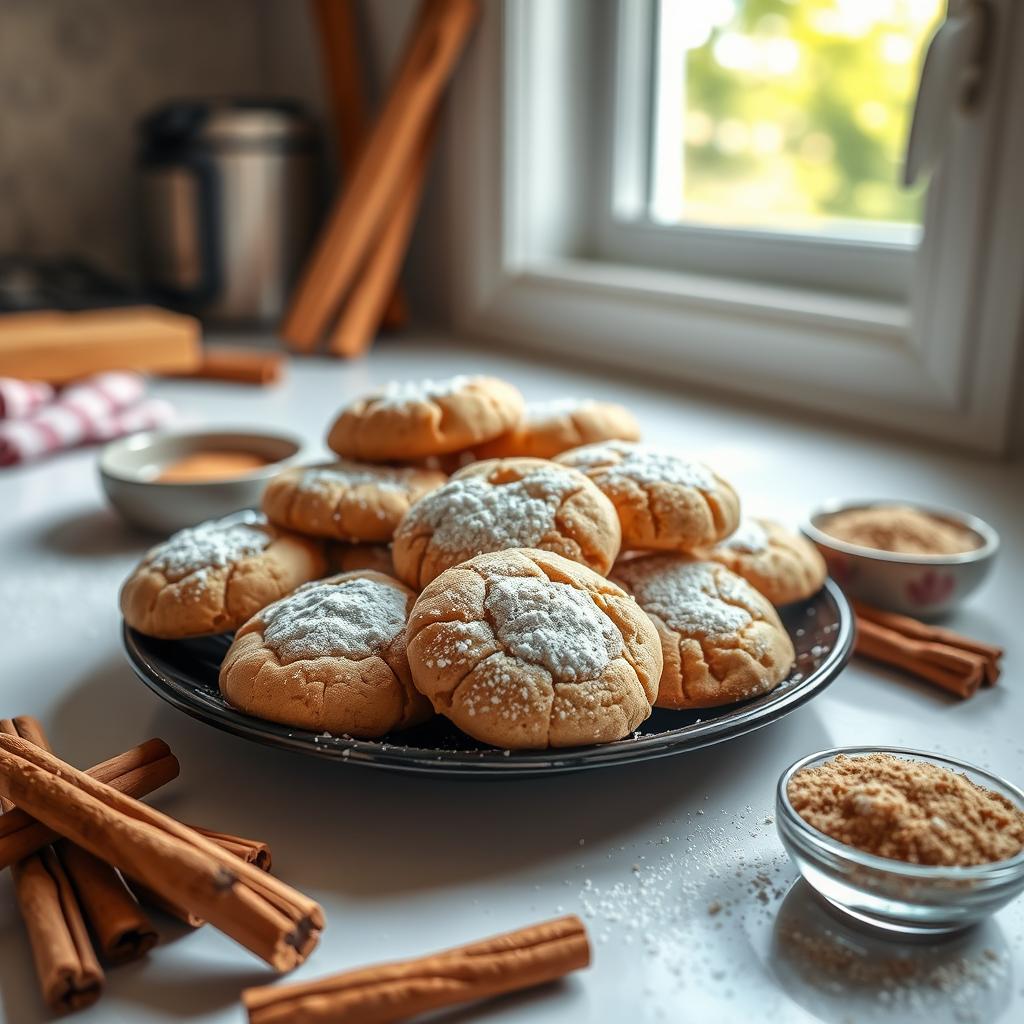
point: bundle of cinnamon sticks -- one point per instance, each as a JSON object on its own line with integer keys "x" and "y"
{"x": 948, "y": 660}
{"x": 349, "y": 280}
{"x": 80, "y": 897}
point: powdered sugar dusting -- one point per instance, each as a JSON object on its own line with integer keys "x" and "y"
{"x": 546, "y": 409}
{"x": 353, "y": 619}
{"x": 405, "y": 392}
{"x": 750, "y": 537}
{"x": 469, "y": 516}
{"x": 553, "y": 625}
{"x": 211, "y": 545}
{"x": 324, "y": 480}
{"x": 622, "y": 461}
{"x": 692, "y": 598}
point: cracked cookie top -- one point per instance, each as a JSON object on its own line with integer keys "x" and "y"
{"x": 210, "y": 578}
{"x": 782, "y": 565}
{"x": 416, "y": 419}
{"x": 506, "y": 503}
{"x": 526, "y": 649}
{"x": 330, "y": 656}
{"x": 346, "y": 500}
{"x": 722, "y": 641}
{"x": 664, "y": 501}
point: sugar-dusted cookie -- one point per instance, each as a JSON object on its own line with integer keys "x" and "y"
{"x": 781, "y": 564}
{"x": 722, "y": 641}
{"x": 210, "y": 578}
{"x": 353, "y": 557}
{"x": 413, "y": 419}
{"x": 525, "y": 649}
{"x": 351, "y": 501}
{"x": 665, "y": 502}
{"x": 330, "y": 656}
{"x": 548, "y": 428}
{"x": 506, "y": 503}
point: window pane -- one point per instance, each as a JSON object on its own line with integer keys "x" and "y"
{"x": 788, "y": 114}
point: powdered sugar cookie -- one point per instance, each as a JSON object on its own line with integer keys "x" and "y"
{"x": 549, "y": 428}
{"x": 353, "y": 557}
{"x": 781, "y": 564}
{"x": 413, "y": 419}
{"x": 526, "y": 649}
{"x": 722, "y": 641}
{"x": 330, "y": 656}
{"x": 664, "y": 502}
{"x": 210, "y": 578}
{"x": 506, "y": 503}
{"x": 352, "y": 501}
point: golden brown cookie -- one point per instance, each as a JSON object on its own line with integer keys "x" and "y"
{"x": 722, "y": 641}
{"x": 781, "y": 564}
{"x": 506, "y": 503}
{"x": 330, "y": 657}
{"x": 353, "y": 557}
{"x": 210, "y": 578}
{"x": 410, "y": 420}
{"x": 526, "y": 649}
{"x": 549, "y": 428}
{"x": 664, "y": 502}
{"x": 351, "y": 501}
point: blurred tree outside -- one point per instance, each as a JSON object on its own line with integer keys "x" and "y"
{"x": 797, "y": 111}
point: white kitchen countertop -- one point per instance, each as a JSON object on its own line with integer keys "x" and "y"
{"x": 406, "y": 865}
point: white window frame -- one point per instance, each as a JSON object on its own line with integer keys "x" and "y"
{"x": 527, "y": 127}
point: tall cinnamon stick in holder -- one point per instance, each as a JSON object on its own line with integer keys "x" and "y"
{"x": 357, "y": 219}
{"x": 70, "y": 976}
{"x": 269, "y": 918}
{"x": 339, "y": 45}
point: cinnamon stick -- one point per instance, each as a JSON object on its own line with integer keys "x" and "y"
{"x": 252, "y": 851}
{"x": 391, "y": 992}
{"x": 70, "y": 976}
{"x": 936, "y": 634}
{"x": 121, "y": 930}
{"x": 348, "y": 106}
{"x": 957, "y": 672}
{"x": 363, "y": 310}
{"x": 236, "y": 366}
{"x": 440, "y": 33}
{"x": 269, "y": 918}
{"x": 136, "y": 772}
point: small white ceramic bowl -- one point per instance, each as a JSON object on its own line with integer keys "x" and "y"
{"x": 891, "y": 894}
{"x": 130, "y": 466}
{"x": 918, "y": 585}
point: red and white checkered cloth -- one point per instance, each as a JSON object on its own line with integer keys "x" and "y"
{"x": 21, "y": 398}
{"x": 98, "y": 408}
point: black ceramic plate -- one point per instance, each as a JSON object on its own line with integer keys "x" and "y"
{"x": 184, "y": 673}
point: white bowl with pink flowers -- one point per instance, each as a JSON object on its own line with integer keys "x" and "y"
{"x": 924, "y": 586}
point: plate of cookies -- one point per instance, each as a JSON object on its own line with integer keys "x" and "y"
{"x": 478, "y": 585}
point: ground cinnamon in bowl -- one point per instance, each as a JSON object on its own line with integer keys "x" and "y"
{"x": 900, "y": 529}
{"x": 907, "y": 810}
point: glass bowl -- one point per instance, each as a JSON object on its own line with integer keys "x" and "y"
{"x": 892, "y": 894}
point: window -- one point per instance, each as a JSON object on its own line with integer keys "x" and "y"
{"x": 714, "y": 189}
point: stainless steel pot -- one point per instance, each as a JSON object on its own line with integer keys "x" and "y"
{"x": 231, "y": 194}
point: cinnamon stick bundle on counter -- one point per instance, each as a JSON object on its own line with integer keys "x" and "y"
{"x": 70, "y": 976}
{"x": 954, "y": 663}
{"x": 136, "y": 772}
{"x": 396, "y": 991}
{"x": 269, "y": 918}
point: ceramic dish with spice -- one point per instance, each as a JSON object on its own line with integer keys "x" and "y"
{"x": 961, "y": 875}
{"x": 905, "y": 557}
{"x": 166, "y": 480}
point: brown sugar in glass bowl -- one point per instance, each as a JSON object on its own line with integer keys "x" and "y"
{"x": 904, "y": 840}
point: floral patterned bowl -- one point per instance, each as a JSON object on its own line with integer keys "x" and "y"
{"x": 920, "y": 585}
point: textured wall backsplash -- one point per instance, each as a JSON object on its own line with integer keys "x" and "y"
{"x": 75, "y": 76}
